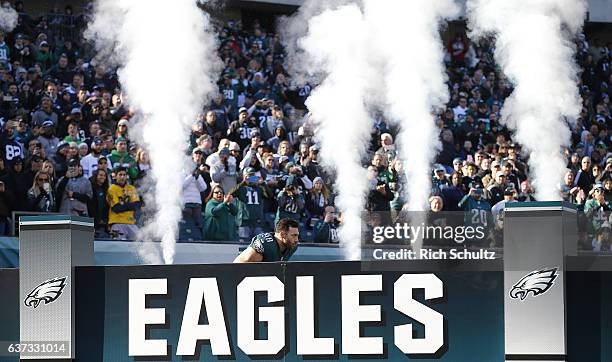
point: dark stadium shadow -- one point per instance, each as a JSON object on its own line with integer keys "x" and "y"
{"x": 150, "y": 327}
{"x": 90, "y": 301}
{"x": 202, "y": 343}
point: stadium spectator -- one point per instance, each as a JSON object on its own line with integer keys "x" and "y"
{"x": 123, "y": 201}
{"x": 120, "y": 157}
{"x": 498, "y": 208}
{"x": 74, "y": 191}
{"x": 223, "y": 171}
{"x": 41, "y": 197}
{"x": 584, "y": 177}
{"x": 12, "y": 149}
{"x": 194, "y": 187}
{"x": 326, "y": 230}
{"x": 220, "y": 216}
{"x": 90, "y": 161}
{"x": 436, "y": 204}
{"x": 453, "y": 193}
{"x": 250, "y": 195}
{"x": 318, "y": 199}
{"x": 495, "y": 190}
{"x": 18, "y": 183}
{"x": 380, "y": 194}
{"x": 290, "y": 203}
{"x": 45, "y": 113}
{"x": 240, "y": 130}
{"x": 98, "y": 206}
{"x": 526, "y": 192}
{"x": 58, "y": 95}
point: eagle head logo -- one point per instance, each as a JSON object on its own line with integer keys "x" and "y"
{"x": 537, "y": 282}
{"x": 47, "y": 291}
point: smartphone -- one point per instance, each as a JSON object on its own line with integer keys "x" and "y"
{"x": 253, "y": 179}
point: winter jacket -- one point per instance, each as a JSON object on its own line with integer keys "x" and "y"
{"x": 220, "y": 221}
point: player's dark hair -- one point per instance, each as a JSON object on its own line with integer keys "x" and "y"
{"x": 285, "y": 224}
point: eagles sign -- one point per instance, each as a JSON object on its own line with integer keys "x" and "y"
{"x": 204, "y": 293}
{"x": 47, "y": 292}
{"x": 537, "y": 282}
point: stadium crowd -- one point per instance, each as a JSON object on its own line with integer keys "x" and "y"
{"x": 66, "y": 146}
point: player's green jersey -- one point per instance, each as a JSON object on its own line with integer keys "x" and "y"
{"x": 477, "y": 215}
{"x": 250, "y": 205}
{"x": 230, "y": 94}
{"x": 4, "y": 54}
{"x": 266, "y": 244}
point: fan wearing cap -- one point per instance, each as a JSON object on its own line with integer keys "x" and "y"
{"x": 271, "y": 123}
{"x": 498, "y": 208}
{"x": 61, "y": 157}
{"x": 477, "y": 210}
{"x": 194, "y": 186}
{"x": 240, "y": 130}
{"x": 439, "y": 178}
{"x": 121, "y": 157}
{"x": 230, "y": 90}
{"x": 123, "y": 200}
{"x": 250, "y": 193}
{"x": 22, "y": 132}
{"x": 122, "y": 129}
{"x": 45, "y": 112}
{"x": 223, "y": 171}
{"x": 312, "y": 168}
{"x": 90, "y": 161}
{"x": 495, "y": 190}
{"x": 255, "y": 143}
{"x": 74, "y": 191}
{"x": 387, "y": 148}
{"x": 597, "y": 209}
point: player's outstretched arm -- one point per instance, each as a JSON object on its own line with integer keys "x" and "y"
{"x": 249, "y": 255}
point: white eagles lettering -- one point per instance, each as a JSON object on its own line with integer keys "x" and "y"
{"x": 205, "y": 292}
{"x": 139, "y": 316}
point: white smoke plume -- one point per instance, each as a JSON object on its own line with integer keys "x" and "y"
{"x": 336, "y": 44}
{"x": 8, "y": 17}
{"x": 406, "y": 37}
{"x": 535, "y": 51}
{"x": 294, "y": 28}
{"x": 167, "y": 60}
